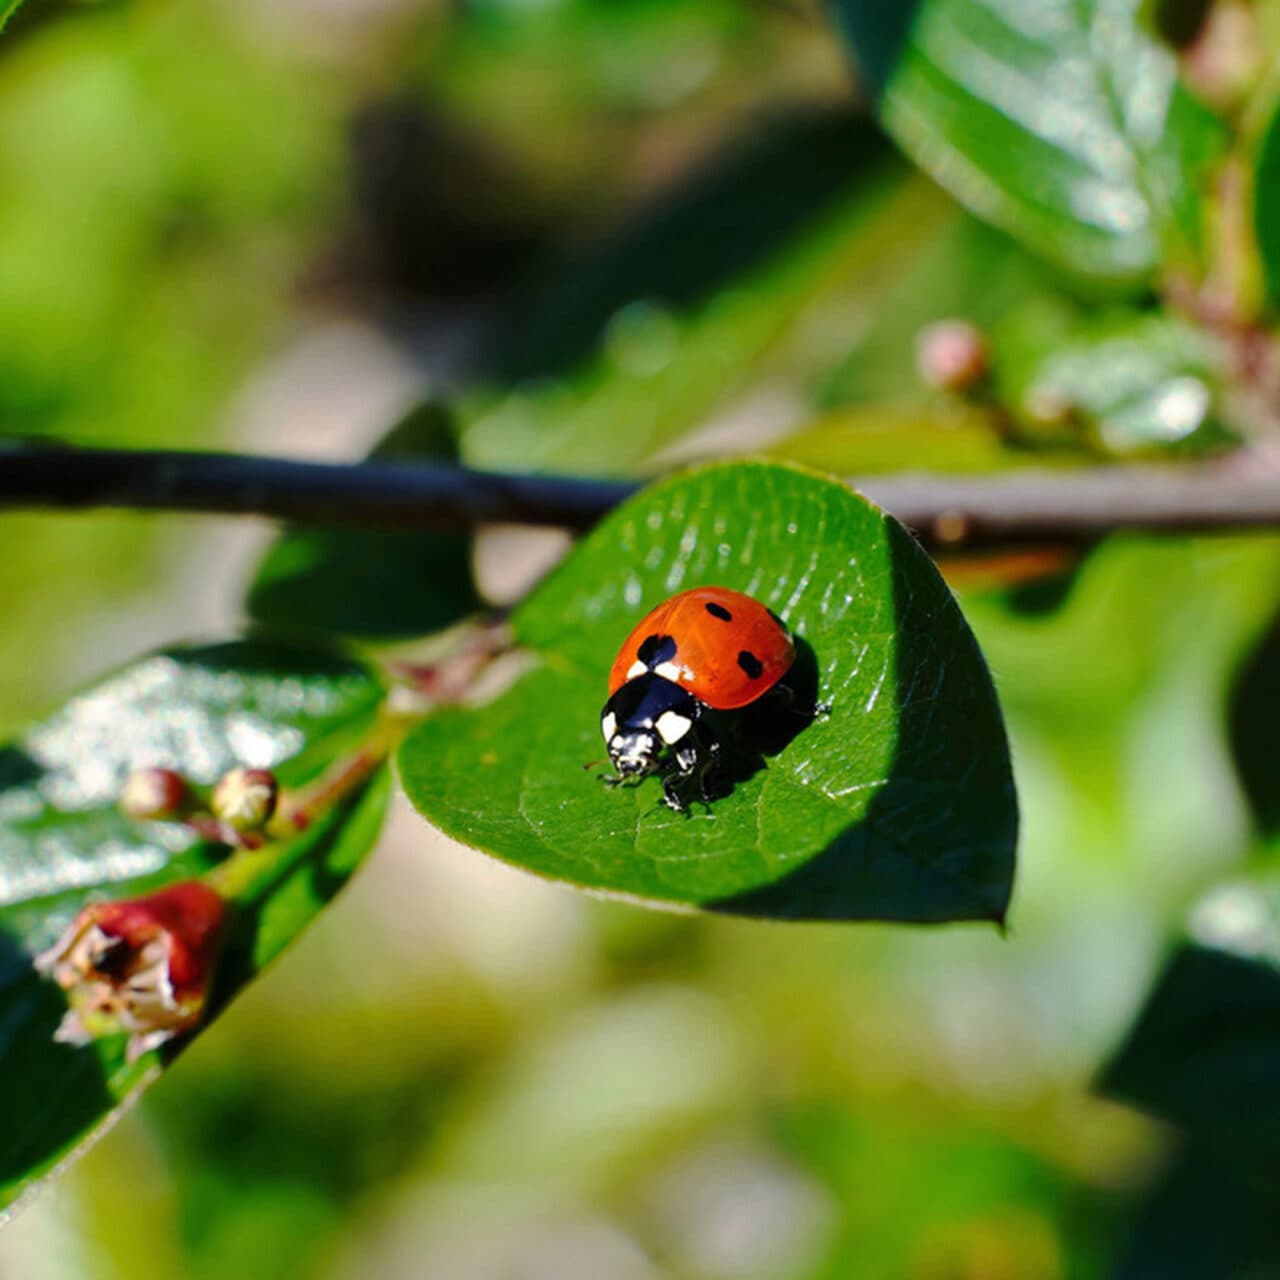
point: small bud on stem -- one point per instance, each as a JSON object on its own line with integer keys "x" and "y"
{"x": 153, "y": 793}
{"x": 245, "y": 799}
{"x": 951, "y": 355}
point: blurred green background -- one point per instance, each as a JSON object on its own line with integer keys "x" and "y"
{"x": 276, "y": 225}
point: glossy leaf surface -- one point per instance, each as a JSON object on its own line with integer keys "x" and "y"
{"x": 1061, "y": 121}
{"x": 898, "y": 805}
{"x": 64, "y": 843}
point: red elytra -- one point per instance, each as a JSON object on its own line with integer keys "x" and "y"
{"x": 728, "y": 648}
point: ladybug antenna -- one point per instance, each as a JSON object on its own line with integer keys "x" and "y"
{"x": 594, "y": 764}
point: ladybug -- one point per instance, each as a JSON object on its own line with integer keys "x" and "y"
{"x": 701, "y": 653}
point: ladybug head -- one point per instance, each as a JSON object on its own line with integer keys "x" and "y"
{"x": 644, "y": 716}
{"x": 634, "y": 753}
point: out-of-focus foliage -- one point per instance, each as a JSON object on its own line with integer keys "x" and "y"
{"x": 1129, "y": 381}
{"x": 1266, "y": 206}
{"x": 379, "y": 583}
{"x": 1206, "y": 1049}
{"x": 591, "y": 228}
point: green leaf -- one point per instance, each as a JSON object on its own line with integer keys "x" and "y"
{"x": 373, "y": 583}
{"x": 866, "y": 441}
{"x": 1205, "y": 1051}
{"x": 1266, "y": 207}
{"x": 899, "y": 805}
{"x": 637, "y": 344}
{"x": 1209, "y": 1218}
{"x": 6, "y": 11}
{"x": 63, "y": 843}
{"x": 1252, "y": 707}
{"x": 964, "y": 269}
{"x": 1135, "y": 381}
{"x": 1061, "y": 121}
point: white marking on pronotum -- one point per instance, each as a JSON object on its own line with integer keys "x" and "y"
{"x": 672, "y": 726}
{"x": 637, "y": 668}
{"x": 669, "y": 670}
{"x": 608, "y": 725}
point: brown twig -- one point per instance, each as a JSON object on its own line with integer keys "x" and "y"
{"x": 1027, "y": 507}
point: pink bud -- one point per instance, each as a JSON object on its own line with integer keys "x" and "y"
{"x": 951, "y": 355}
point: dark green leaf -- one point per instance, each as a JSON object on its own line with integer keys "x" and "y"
{"x": 1266, "y": 207}
{"x": 1205, "y": 1051}
{"x": 1209, "y": 1218}
{"x": 1253, "y": 706}
{"x": 63, "y": 843}
{"x": 372, "y": 583}
{"x": 741, "y": 208}
{"x": 1061, "y": 121}
{"x": 6, "y": 10}
{"x": 1179, "y": 22}
{"x": 899, "y": 805}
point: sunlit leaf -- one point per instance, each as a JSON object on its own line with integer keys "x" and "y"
{"x": 1061, "y": 121}
{"x": 1129, "y": 381}
{"x": 866, "y": 441}
{"x": 898, "y": 805}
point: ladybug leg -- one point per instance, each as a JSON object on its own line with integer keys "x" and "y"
{"x": 706, "y": 756}
{"x": 684, "y": 756}
{"x": 708, "y": 767}
{"x": 787, "y": 702}
{"x": 696, "y": 754}
{"x": 671, "y": 794}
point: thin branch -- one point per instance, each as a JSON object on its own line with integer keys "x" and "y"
{"x": 370, "y": 494}
{"x": 1027, "y": 507}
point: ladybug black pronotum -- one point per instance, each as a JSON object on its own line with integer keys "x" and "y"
{"x": 697, "y": 656}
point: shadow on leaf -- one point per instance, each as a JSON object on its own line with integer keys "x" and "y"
{"x": 910, "y": 858}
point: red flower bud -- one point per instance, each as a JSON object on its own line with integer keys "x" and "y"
{"x": 139, "y": 966}
{"x": 152, "y": 793}
{"x": 245, "y": 799}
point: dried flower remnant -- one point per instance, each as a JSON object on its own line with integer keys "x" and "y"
{"x": 139, "y": 966}
{"x": 153, "y": 793}
{"x": 245, "y": 799}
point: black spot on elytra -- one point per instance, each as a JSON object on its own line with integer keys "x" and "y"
{"x": 750, "y": 735}
{"x": 750, "y": 664}
{"x": 719, "y": 611}
{"x": 655, "y": 650}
